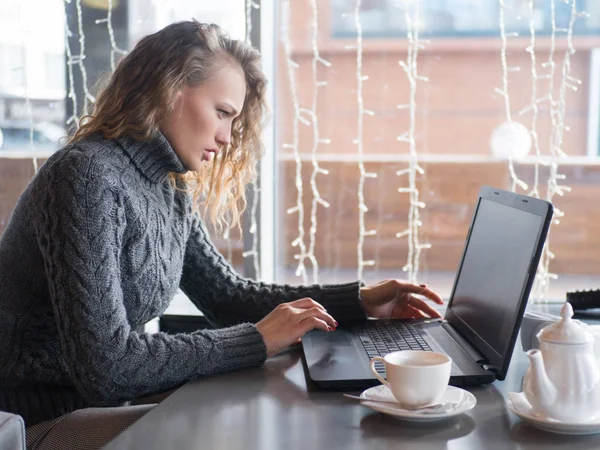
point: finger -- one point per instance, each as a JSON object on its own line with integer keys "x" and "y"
{"x": 306, "y": 303}
{"x": 417, "y": 313}
{"x": 319, "y": 313}
{"x": 312, "y": 323}
{"x": 419, "y": 304}
{"x": 408, "y": 312}
{"x": 420, "y": 290}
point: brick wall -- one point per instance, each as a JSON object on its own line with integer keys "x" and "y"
{"x": 449, "y": 190}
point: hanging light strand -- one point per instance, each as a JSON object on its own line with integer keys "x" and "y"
{"x": 227, "y": 237}
{"x": 516, "y": 181}
{"x": 291, "y": 68}
{"x": 114, "y": 49}
{"x": 317, "y": 139}
{"x": 250, "y": 4}
{"x": 542, "y": 271}
{"x": 79, "y": 60}
{"x": 74, "y": 118}
{"x": 557, "y": 114}
{"x": 410, "y": 67}
{"x": 253, "y": 230}
{"x": 362, "y": 207}
{"x": 535, "y": 102}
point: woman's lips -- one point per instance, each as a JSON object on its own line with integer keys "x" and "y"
{"x": 206, "y": 155}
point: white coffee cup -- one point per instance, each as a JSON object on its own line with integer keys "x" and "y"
{"x": 417, "y": 378}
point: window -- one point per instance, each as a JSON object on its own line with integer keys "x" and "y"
{"x": 55, "y": 71}
{"x": 458, "y": 18}
{"x": 324, "y": 112}
{"x": 333, "y": 221}
{"x": 13, "y": 73}
{"x": 35, "y": 81}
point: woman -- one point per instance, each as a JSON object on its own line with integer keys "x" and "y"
{"x": 107, "y": 231}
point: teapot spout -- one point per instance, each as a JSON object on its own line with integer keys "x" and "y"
{"x": 542, "y": 389}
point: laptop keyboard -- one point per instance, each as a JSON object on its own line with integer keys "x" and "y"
{"x": 380, "y": 338}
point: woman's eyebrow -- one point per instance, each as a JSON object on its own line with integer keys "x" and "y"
{"x": 234, "y": 111}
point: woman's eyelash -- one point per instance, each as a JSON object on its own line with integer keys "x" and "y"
{"x": 224, "y": 113}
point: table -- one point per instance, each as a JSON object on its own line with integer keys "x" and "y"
{"x": 272, "y": 407}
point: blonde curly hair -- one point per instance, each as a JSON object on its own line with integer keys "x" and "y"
{"x": 141, "y": 91}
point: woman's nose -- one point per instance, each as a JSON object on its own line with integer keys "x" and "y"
{"x": 224, "y": 137}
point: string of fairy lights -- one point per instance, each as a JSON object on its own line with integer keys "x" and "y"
{"x": 362, "y": 206}
{"x": 534, "y": 107}
{"x": 309, "y": 117}
{"x": 317, "y": 170}
{"x": 253, "y": 230}
{"x": 414, "y": 170}
{"x": 250, "y": 4}
{"x": 291, "y": 69}
{"x": 542, "y": 274}
{"x": 555, "y": 185}
{"x": 557, "y": 109}
{"x": 516, "y": 181}
{"x": 79, "y": 60}
{"x": 73, "y": 119}
{"x": 114, "y": 49}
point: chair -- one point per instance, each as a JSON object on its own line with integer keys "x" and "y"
{"x": 12, "y": 431}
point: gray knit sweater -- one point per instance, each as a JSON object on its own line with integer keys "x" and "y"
{"x": 97, "y": 246}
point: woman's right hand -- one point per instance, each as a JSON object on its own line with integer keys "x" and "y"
{"x": 288, "y": 322}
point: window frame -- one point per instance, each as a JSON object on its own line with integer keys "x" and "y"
{"x": 593, "y": 141}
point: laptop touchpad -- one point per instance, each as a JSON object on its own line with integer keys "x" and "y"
{"x": 335, "y": 339}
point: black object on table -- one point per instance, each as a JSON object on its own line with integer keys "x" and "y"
{"x": 582, "y": 300}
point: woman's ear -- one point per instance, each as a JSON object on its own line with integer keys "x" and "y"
{"x": 172, "y": 111}
{"x": 176, "y": 102}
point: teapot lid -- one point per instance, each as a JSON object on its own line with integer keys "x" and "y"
{"x": 566, "y": 330}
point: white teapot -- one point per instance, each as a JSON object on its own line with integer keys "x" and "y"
{"x": 563, "y": 379}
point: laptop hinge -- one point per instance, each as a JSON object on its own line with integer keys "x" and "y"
{"x": 491, "y": 368}
{"x": 473, "y": 353}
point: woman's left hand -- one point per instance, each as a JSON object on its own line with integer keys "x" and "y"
{"x": 394, "y": 299}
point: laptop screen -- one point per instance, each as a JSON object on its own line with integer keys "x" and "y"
{"x": 494, "y": 273}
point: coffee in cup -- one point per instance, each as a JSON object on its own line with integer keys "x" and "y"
{"x": 417, "y": 378}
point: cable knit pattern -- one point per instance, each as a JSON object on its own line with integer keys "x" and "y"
{"x": 98, "y": 244}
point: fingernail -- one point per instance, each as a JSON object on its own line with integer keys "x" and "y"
{"x": 329, "y": 328}
{"x": 423, "y": 285}
{"x": 336, "y": 324}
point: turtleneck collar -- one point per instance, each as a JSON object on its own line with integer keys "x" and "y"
{"x": 155, "y": 159}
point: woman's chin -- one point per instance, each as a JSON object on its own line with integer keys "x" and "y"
{"x": 194, "y": 166}
{"x": 198, "y": 163}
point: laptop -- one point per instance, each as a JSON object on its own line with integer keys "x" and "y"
{"x": 499, "y": 262}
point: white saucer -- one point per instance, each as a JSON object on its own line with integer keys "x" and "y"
{"x": 519, "y": 405}
{"x": 465, "y": 400}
